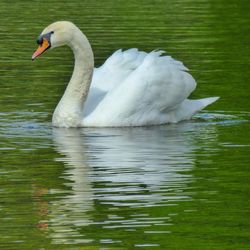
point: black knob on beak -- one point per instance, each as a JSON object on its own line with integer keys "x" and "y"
{"x": 39, "y": 40}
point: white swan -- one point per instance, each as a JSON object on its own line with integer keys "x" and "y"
{"x": 132, "y": 88}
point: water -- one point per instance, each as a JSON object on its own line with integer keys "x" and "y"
{"x": 181, "y": 186}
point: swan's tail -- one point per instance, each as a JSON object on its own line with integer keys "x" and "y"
{"x": 202, "y": 103}
{"x": 190, "y": 107}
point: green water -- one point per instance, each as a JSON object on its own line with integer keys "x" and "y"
{"x": 182, "y": 186}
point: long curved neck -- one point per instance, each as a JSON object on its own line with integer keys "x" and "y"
{"x": 69, "y": 111}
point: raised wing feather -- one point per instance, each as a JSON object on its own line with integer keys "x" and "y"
{"x": 117, "y": 68}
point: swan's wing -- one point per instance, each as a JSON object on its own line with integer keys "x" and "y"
{"x": 116, "y": 69}
{"x": 153, "y": 89}
{"x": 94, "y": 97}
{"x": 111, "y": 74}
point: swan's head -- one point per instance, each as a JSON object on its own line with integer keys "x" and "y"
{"x": 55, "y": 35}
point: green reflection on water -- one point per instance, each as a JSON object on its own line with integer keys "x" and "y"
{"x": 186, "y": 188}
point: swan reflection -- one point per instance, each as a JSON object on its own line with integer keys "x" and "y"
{"x": 129, "y": 167}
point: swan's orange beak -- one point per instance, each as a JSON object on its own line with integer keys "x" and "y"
{"x": 42, "y": 48}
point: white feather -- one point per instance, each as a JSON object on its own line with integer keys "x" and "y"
{"x": 134, "y": 88}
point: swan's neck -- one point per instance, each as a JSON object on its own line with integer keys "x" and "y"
{"x": 69, "y": 111}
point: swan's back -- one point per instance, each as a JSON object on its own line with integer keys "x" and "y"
{"x": 134, "y": 88}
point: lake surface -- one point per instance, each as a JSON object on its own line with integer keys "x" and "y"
{"x": 179, "y": 186}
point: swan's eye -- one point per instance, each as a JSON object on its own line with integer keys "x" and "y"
{"x": 47, "y": 36}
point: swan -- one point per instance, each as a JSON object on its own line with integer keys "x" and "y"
{"x": 131, "y": 88}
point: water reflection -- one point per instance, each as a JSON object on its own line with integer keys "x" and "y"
{"x": 71, "y": 210}
{"x": 129, "y": 167}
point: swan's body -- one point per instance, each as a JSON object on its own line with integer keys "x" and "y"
{"x": 131, "y": 88}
